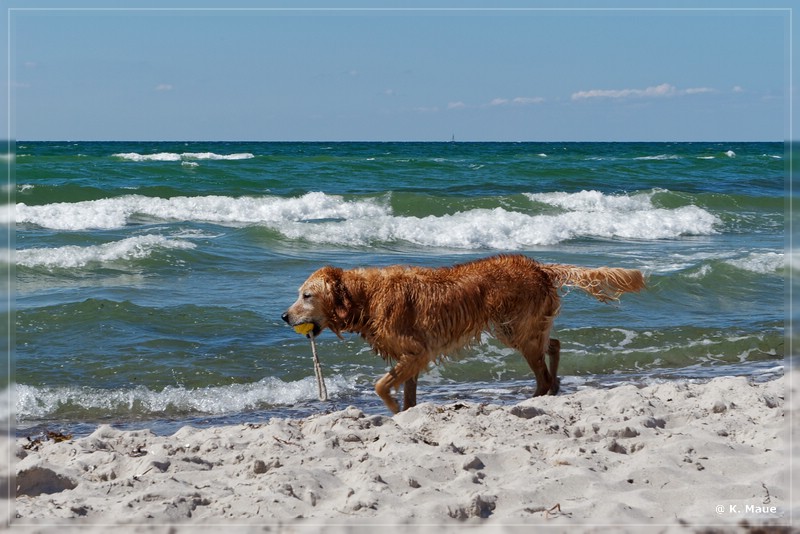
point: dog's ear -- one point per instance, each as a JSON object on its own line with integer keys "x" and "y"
{"x": 338, "y": 301}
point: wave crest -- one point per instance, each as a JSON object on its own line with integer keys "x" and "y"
{"x": 173, "y": 156}
{"x": 72, "y": 256}
{"x": 328, "y": 219}
{"x": 117, "y": 212}
{"x": 44, "y": 402}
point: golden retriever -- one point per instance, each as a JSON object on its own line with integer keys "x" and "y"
{"x": 413, "y": 316}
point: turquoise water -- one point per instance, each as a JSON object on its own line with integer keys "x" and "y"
{"x": 151, "y": 276}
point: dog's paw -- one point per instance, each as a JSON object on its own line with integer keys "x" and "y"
{"x": 555, "y": 387}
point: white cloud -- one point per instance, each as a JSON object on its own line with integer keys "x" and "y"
{"x": 525, "y": 100}
{"x": 738, "y": 89}
{"x": 163, "y": 87}
{"x": 656, "y": 91}
{"x": 699, "y": 90}
{"x": 456, "y": 105}
{"x": 518, "y": 101}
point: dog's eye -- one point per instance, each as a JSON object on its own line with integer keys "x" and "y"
{"x": 306, "y": 296}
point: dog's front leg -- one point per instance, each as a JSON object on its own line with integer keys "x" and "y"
{"x": 402, "y": 373}
{"x": 383, "y": 388}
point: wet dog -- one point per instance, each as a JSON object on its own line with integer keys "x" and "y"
{"x": 413, "y": 316}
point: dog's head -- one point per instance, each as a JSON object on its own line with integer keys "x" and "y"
{"x": 322, "y": 302}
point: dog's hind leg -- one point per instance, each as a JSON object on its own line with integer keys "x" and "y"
{"x": 534, "y": 350}
{"x": 410, "y": 392}
{"x": 543, "y": 380}
{"x": 554, "y": 352}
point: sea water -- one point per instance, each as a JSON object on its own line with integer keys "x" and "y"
{"x": 151, "y": 276}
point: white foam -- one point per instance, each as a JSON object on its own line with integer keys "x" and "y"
{"x": 213, "y": 156}
{"x": 730, "y": 154}
{"x": 40, "y": 402}
{"x": 173, "y": 156}
{"x": 161, "y": 156}
{"x": 74, "y": 257}
{"x": 594, "y": 201}
{"x": 660, "y": 157}
{"x": 701, "y": 273}
{"x": 117, "y": 212}
{"x": 760, "y": 262}
{"x": 330, "y": 219}
{"x": 501, "y": 229}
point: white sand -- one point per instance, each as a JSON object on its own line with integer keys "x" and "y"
{"x": 672, "y": 454}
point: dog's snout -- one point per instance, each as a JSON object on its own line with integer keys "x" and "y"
{"x": 285, "y": 317}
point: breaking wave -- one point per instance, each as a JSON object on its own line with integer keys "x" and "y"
{"x": 185, "y": 156}
{"x": 69, "y": 257}
{"x": 329, "y": 219}
{"x": 44, "y": 402}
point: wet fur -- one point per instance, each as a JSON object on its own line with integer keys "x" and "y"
{"x": 413, "y": 316}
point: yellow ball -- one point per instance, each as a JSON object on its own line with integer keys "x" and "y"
{"x": 304, "y": 329}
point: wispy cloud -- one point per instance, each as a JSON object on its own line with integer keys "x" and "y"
{"x": 500, "y": 101}
{"x": 164, "y": 87}
{"x": 517, "y": 101}
{"x": 656, "y": 91}
{"x": 699, "y": 90}
{"x": 527, "y": 100}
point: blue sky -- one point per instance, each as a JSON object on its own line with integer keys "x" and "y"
{"x": 399, "y": 75}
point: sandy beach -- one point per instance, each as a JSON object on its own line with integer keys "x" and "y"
{"x": 673, "y": 455}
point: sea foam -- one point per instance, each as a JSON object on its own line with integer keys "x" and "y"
{"x": 173, "y": 156}
{"x": 117, "y": 212}
{"x": 71, "y": 256}
{"x": 330, "y": 219}
{"x": 594, "y": 201}
{"x": 506, "y": 230}
{"x": 42, "y": 402}
{"x": 760, "y": 262}
{"x": 589, "y": 214}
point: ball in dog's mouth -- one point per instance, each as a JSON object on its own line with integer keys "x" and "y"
{"x": 304, "y": 328}
{"x": 309, "y": 330}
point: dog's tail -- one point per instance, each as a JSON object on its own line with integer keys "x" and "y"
{"x": 603, "y": 283}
